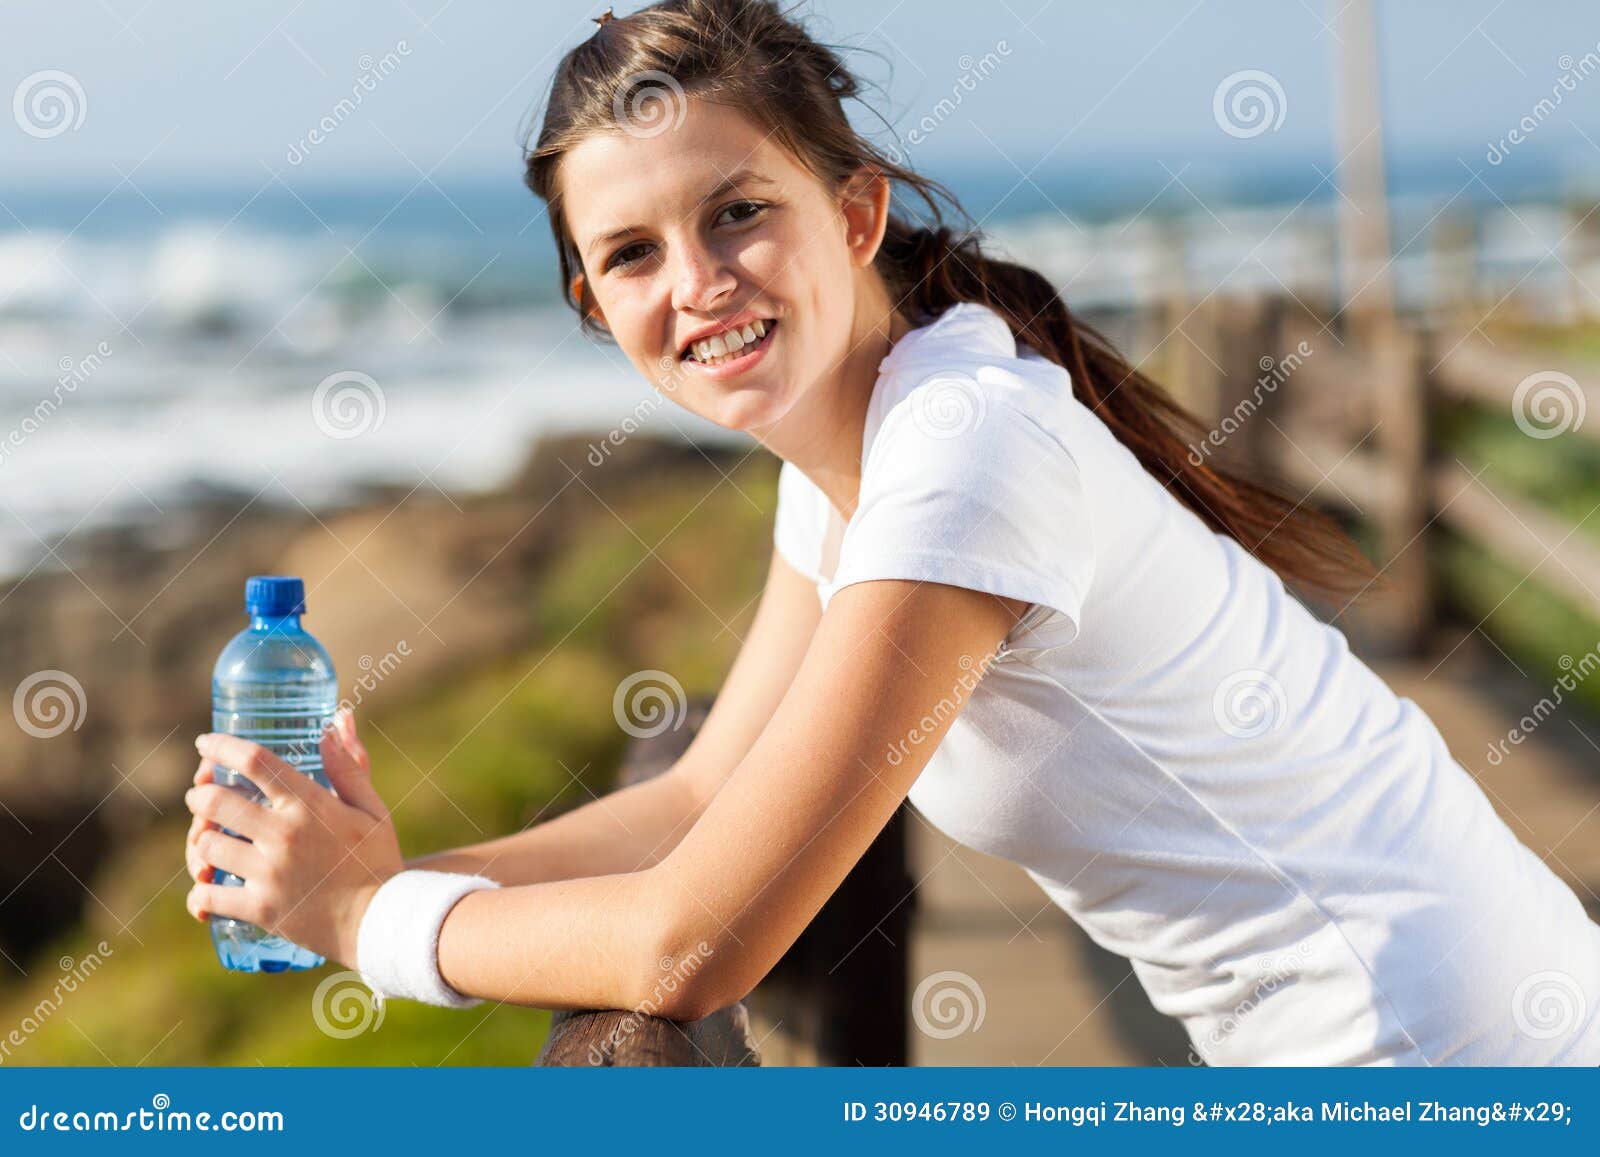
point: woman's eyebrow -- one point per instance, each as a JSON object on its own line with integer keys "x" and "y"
{"x": 741, "y": 178}
{"x": 744, "y": 178}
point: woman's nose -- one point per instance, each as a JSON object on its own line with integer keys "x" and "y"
{"x": 701, "y": 279}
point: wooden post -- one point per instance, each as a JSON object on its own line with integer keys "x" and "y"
{"x": 841, "y": 994}
{"x": 1400, "y": 405}
{"x": 1364, "y": 256}
{"x": 1246, "y": 350}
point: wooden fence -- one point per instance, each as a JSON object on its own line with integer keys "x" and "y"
{"x": 1352, "y": 424}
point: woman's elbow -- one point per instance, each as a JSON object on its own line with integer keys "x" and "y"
{"x": 692, "y": 970}
{"x": 685, "y": 979}
{"x": 700, "y": 961}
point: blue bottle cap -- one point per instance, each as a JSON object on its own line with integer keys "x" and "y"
{"x": 274, "y": 594}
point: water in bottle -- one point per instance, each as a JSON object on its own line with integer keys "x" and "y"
{"x": 273, "y": 684}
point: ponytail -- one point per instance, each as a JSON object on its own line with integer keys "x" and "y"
{"x": 931, "y": 268}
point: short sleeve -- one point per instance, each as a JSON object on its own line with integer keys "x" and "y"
{"x": 991, "y": 501}
{"x": 800, "y": 522}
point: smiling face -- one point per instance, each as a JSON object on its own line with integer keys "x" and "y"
{"x": 731, "y": 276}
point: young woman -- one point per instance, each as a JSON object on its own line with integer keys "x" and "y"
{"x": 998, "y": 587}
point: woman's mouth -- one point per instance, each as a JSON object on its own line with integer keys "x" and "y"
{"x": 733, "y": 351}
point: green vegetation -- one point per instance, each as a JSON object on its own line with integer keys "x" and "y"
{"x": 1580, "y": 340}
{"x": 507, "y": 745}
{"x": 1532, "y": 624}
{"x": 1561, "y": 475}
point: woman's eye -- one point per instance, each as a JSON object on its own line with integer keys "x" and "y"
{"x": 735, "y": 214}
{"x": 627, "y": 255}
{"x": 741, "y": 211}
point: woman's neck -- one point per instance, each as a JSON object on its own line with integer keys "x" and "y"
{"x": 822, "y": 433}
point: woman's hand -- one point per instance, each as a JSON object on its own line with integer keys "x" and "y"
{"x": 313, "y": 860}
{"x": 199, "y": 870}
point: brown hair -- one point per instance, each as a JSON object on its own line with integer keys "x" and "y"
{"x": 748, "y": 54}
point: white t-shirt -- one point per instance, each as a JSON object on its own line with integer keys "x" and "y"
{"x": 1185, "y": 759}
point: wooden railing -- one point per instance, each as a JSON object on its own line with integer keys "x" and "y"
{"x": 610, "y": 1039}
{"x": 839, "y": 996}
{"x": 1521, "y": 533}
{"x": 1352, "y": 426}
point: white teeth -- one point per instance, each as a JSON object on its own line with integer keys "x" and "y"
{"x": 714, "y": 350}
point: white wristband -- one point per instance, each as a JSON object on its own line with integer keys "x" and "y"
{"x": 397, "y": 945}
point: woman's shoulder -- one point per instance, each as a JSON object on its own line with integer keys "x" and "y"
{"x": 965, "y": 337}
{"x": 950, "y": 375}
{"x": 965, "y": 480}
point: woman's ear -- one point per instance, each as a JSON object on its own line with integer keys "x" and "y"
{"x": 864, "y": 204}
{"x": 586, "y": 305}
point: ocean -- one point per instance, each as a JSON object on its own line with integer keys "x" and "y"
{"x": 293, "y": 347}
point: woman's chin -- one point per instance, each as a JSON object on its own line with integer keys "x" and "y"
{"x": 746, "y": 408}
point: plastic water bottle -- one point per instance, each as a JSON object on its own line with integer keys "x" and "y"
{"x": 273, "y": 684}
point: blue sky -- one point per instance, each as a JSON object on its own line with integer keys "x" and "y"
{"x": 218, "y": 93}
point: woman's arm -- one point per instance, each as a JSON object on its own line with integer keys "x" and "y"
{"x": 888, "y": 667}
{"x": 635, "y": 827}
{"x": 615, "y": 833}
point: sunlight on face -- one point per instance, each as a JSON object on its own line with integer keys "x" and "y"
{"x": 710, "y": 223}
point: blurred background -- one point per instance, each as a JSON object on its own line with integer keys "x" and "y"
{"x": 274, "y": 299}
